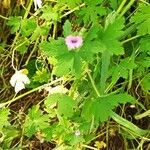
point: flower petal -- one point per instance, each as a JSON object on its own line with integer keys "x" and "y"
{"x": 14, "y": 78}
{"x": 37, "y": 4}
{"x": 19, "y": 86}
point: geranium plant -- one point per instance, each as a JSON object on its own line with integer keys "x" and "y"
{"x": 75, "y": 74}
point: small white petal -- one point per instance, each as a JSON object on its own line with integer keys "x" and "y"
{"x": 19, "y": 86}
{"x": 25, "y": 79}
{"x": 37, "y": 4}
{"x": 14, "y": 78}
{"x": 132, "y": 106}
{"x": 13, "y": 81}
{"x": 77, "y": 132}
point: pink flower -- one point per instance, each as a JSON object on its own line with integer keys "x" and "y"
{"x": 73, "y": 42}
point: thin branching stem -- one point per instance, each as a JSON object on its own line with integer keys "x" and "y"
{"x": 31, "y": 91}
{"x": 3, "y": 17}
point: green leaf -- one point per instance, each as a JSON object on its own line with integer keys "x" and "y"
{"x": 74, "y": 140}
{"x": 64, "y": 65}
{"x": 28, "y": 26}
{"x": 41, "y": 76}
{"x": 146, "y": 83}
{"x": 65, "y": 104}
{"x": 92, "y": 11}
{"x": 101, "y": 108}
{"x": 4, "y": 112}
{"x": 39, "y": 31}
{"x": 22, "y": 45}
{"x": 117, "y": 72}
{"x": 67, "y": 28}
{"x": 10, "y": 134}
{"x": 54, "y": 48}
{"x": 115, "y": 3}
{"x": 35, "y": 121}
{"x": 49, "y": 13}
{"x": 128, "y": 63}
{"x": 109, "y": 36}
{"x": 145, "y": 62}
{"x": 114, "y": 29}
{"x": 77, "y": 65}
{"x": 94, "y": 109}
{"x": 91, "y": 45}
{"x": 132, "y": 129}
{"x": 96, "y": 2}
{"x": 142, "y": 19}
{"x": 48, "y": 132}
{"x": 145, "y": 44}
{"x": 14, "y": 23}
{"x": 92, "y": 33}
{"x": 122, "y": 69}
{"x": 70, "y": 3}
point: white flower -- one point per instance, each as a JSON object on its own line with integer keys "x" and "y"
{"x": 37, "y": 4}
{"x": 132, "y": 106}
{"x": 56, "y": 89}
{"x": 18, "y": 80}
{"x": 77, "y": 132}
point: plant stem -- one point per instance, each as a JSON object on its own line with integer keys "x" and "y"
{"x": 54, "y": 30}
{"x": 93, "y": 84}
{"x": 36, "y": 42}
{"x": 89, "y": 147}
{"x": 127, "y": 124}
{"x": 13, "y": 51}
{"x": 31, "y": 91}
{"x": 28, "y": 9}
{"x": 126, "y": 8}
{"x": 130, "y": 39}
{"x": 121, "y": 6}
{"x": 109, "y": 87}
{"x": 144, "y": 2}
{"x": 17, "y": 35}
{"x": 3, "y": 17}
{"x": 130, "y": 78}
{"x": 145, "y": 114}
{"x": 71, "y": 11}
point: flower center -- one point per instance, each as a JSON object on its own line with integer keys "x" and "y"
{"x": 74, "y": 41}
